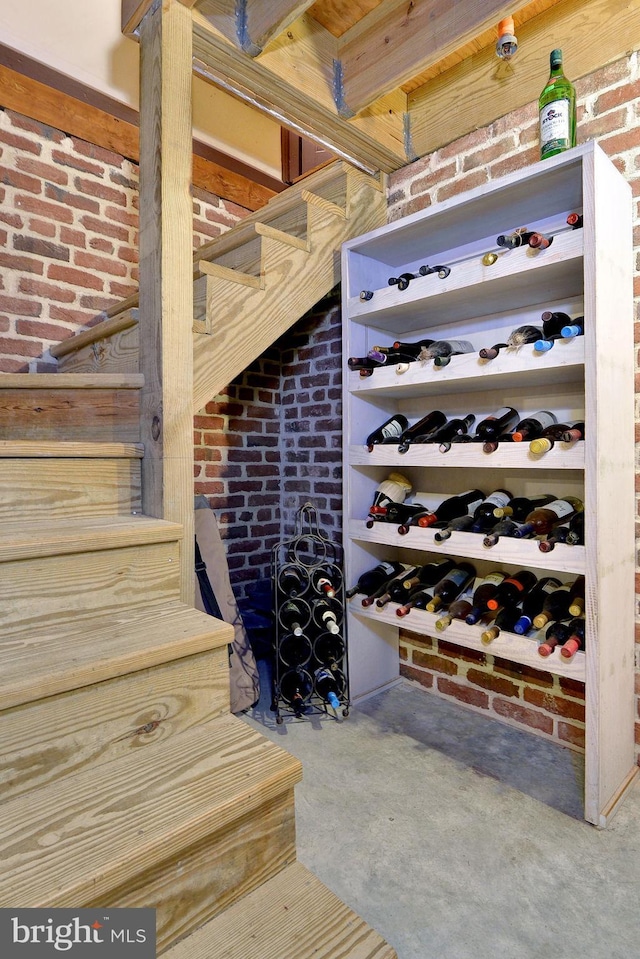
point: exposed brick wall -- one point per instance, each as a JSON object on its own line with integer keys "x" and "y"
{"x": 609, "y": 111}
{"x": 272, "y": 442}
{"x": 69, "y": 236}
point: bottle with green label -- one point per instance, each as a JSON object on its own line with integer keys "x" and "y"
{"x": 557, "y": 110}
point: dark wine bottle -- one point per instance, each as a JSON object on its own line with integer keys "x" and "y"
{"x": 292, "y": 580}
{"x": 363, "y": 363}
{"x": 575, "y": 220}
{"x": 541, "y": 521}
{"x": 327, "y": 614}
{"x": 548, "y": 438}
{"x": 458, "y": 609}
{"x": 492, "y": 427}
{"x": 394, "y": 489}
{"x": 294, "y": 651}
{"x": 518, "y": 337}
{"x": 374, "y": 577}
{"x": 451, "y": 586}
{"x": 520, "y": 506}
{"x": 483, "y": 515}
{"x": 490, "y": 446}
{"x": 513, "y": 589}
{"x": 532, "y": 426}
{"x": 396, "y": 591}
{"x": 485, "y": 591}
{"x": 426, "y": 575}
{"x": 540, "y": 241}
{"x": 571, "y": 534}
{"x": 443, "y": 530}
{"x": 576, "y": 597}
{"x": 413, "y": 520}
{"x": 505, "y": 527}
{"x": 389, "y": 432}
{"x": 534, "y": 601}
{"x": 555, "y": 634}
{"x": 328, "y": 649}
{"x": 450, "y": 429}
{"x": 505, "y": 620}
{"x": 441, "y": 351}
{"x": 452, "y": 507}
{"x": 428, "y": 424}
{"x": 414, "y": 350}
{"x": 327, "y": 686}
{"x": 511, "y": 241}
{"x": 574, "y": 434}
{"x": 296, "y": 687}
{"x": 370, "y": 599}
{"x": 323, "y": 582}
{"x": 575, "y": 328}
{"x": 552, "y": 323}
{"x": 403, "y": 513}
{"x": 294, "y": 614}
{"x": 575, "y": 640}
{"x": 555, "y": 606}
{"x": 418, "y": 598}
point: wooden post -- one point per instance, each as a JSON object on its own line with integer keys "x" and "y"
{"x": 166, "y": 272}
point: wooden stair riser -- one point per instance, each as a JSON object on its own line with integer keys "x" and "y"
{"x": 117, "y": 822}
{"x": 113, "y": 353}
{"x": 69, "y": 487}
{"x": 80, "y": 585}
{"x": 70, "y": 414}
{"x": 204, "y": 879}
{"x": 52, "y": 737}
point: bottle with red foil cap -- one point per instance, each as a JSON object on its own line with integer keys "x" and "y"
{"x": 575, "y": 640}
{"x": 556, "y": 634}
{"x": 453, "y": 584}
{"x": 513, "y": 589}
{"x": 453, "y": 507}
{"x": 532, "y": 426}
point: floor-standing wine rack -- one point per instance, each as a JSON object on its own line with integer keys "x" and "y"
{"x": 310, "y": 673}
{"x": 485, "y": 292}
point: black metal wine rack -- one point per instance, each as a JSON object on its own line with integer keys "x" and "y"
{"x": 310, "y": 670}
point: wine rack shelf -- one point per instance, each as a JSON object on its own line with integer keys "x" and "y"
{"x": 587, "y": 272}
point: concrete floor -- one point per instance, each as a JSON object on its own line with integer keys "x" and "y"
{"x": 457, "y": 837}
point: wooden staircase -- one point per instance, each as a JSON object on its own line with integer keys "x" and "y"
{"x": 125, "y": 780}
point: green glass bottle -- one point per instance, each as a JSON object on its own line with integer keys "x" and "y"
{"x": 557, "y": 109}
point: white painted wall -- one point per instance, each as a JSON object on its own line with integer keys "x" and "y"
{"x": 82, "y": 39}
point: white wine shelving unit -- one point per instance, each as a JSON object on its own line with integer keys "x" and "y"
{"x": 584, "y": 271}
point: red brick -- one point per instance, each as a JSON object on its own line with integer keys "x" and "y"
{"x": 42, "y": 130}
{"x": 123, "y": 289}
{"x": 575, "y": 735}
{"x": 102, "y": 264}
{"x": 11, "y": 219}
{"x": 417, "y": 675}
{"x": 77, "y": 163}
{"x": 20, "y": 347}
{"x": 31, "y": 244}
{"x": 128, "y": 253}
{"x": 20, "y": 306}
{"x": 25, "y": 264}
{"x": 46, "y": 171}
{"x": 105, "y": 192}
{"x": 526, "y": 717}
{"x": 464, "y": 694}
{"x": 20, "y": 180}
{"x": 94, "y": 225}
{"x": 568, "y": 708}
{"x": 47, "y": 291}
{"x": 96, "y": 152}
{"x": 67, "y": 315}
{"x": 67, "y": 274}
{"x": 72, "y": 237}
{"x": 42, "y": 227}
{"x": 46, "y": 331}
{"x": 53, "y": 192}
{"x": 21, "y": 143}
{"x": 102, "y": 245}
{"x": 12, "y": 366}
{"x": 121, "y": 216}
{"x": 40, "y": 207}
{"x": 493, "y": 683}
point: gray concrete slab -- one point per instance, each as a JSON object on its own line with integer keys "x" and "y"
{"x": 458, "y": 837}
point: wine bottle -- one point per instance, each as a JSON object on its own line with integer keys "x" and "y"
{"x": 403, "y": 513}
{"x": 575, "y": 433}
{"x": 541, "y": 521}
{"x": 370, "y": 599}
{"x": 553, "y": 322}
{"x": 413, "y": 519}
{"x": 444, "y": 529}
{"x": 517, "y": 338}
{"x": 451, "y": 586}
{"x": 428, "y": 424}
{"x": 512, "y": 241}
{"x": 534, "y": 601}
{"x": 555, "y": 635}
{"x": 294, "y": 615}
{"x": 450, "y": 429}
{"x": 492, "y": 427}
{"x": 390, "y": 355}
{"x": 505, "y": 620}
{"x": 292, "y": 580}
{"x": 532, "y": 426}
{"x": 394, "y": 489}
{"x": 458, "y": 609}
{"x": 327, "y": 614}
{"x": 483, "y": 515}
{"x": 520, "y": 506}
{"x": 555, "y": 606}
{"x": 547, "y": 439}
{"x": 576, "y": 597}
{"x": 557, "y": 110}
{"x": 440, "y": 351}
{"x": 513, "y": 589}
{"x": 452, "y": 507}
{"x": 575, "y": 220}
{"x": 575, "y": 328}
{"x": 328, "y": 649}
{"x": 571, "y": 534}
{"x": 322, "y": 583}
{"x": 418, "y": 598}
{"x": 295, "y": 650}
{"x": 485, "y": 591}
{"x": 374, "y": 577}
{"x": 395, "y": 590}
{"x": 575, "y": 640}
{"x": 412, "y": 349}
{"x": 426, "y": 575}
{"x": 506, "y": 527}
{"x": 490, "y": 446}
{"x": 365, "y": 364}
{"x": 296, "y": 687}
{"x": 327, "y": 686}
{"x": 389, "y": 432}
{"x": 540, "y": 241}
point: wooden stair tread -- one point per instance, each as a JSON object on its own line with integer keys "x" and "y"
{"x": 22, "y": 539}
{"x": 292, "y": 916}
{"x": 61, "y": 657}
{"x": 124, "y": 318}
{"x": 69, "y": 449}
{"x": 71, "y": 381}
{"x": 70, "y": 842}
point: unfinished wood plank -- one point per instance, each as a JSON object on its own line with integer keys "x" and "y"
{"x": 229, "y": 275}
{"x": 115, "y": 353}
{"x": 87, "y": 727}
{"x": 292, "y": 915}
{"x": 189, "y": 889}
{"x": 125, "y": 319}
{"x": 261, "y": 21}
{"x": 323, "y": 204}
{"x": 68, "y": 414}
{"x": 38, "y": 450}
{"x": 297, "y": 242}
{"x": 208, "y": 777}
{"x": 71, "y": 381}
{"x": 166, "y": 272}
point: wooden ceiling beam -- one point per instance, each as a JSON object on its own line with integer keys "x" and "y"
{"x": 289, "y": 91}
{"x": 132, "y": 12}
{"x": 261, "y": 21}
{"x": 398, "y": 40}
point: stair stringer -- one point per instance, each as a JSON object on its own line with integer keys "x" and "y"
{"x": 244, "y": 320}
